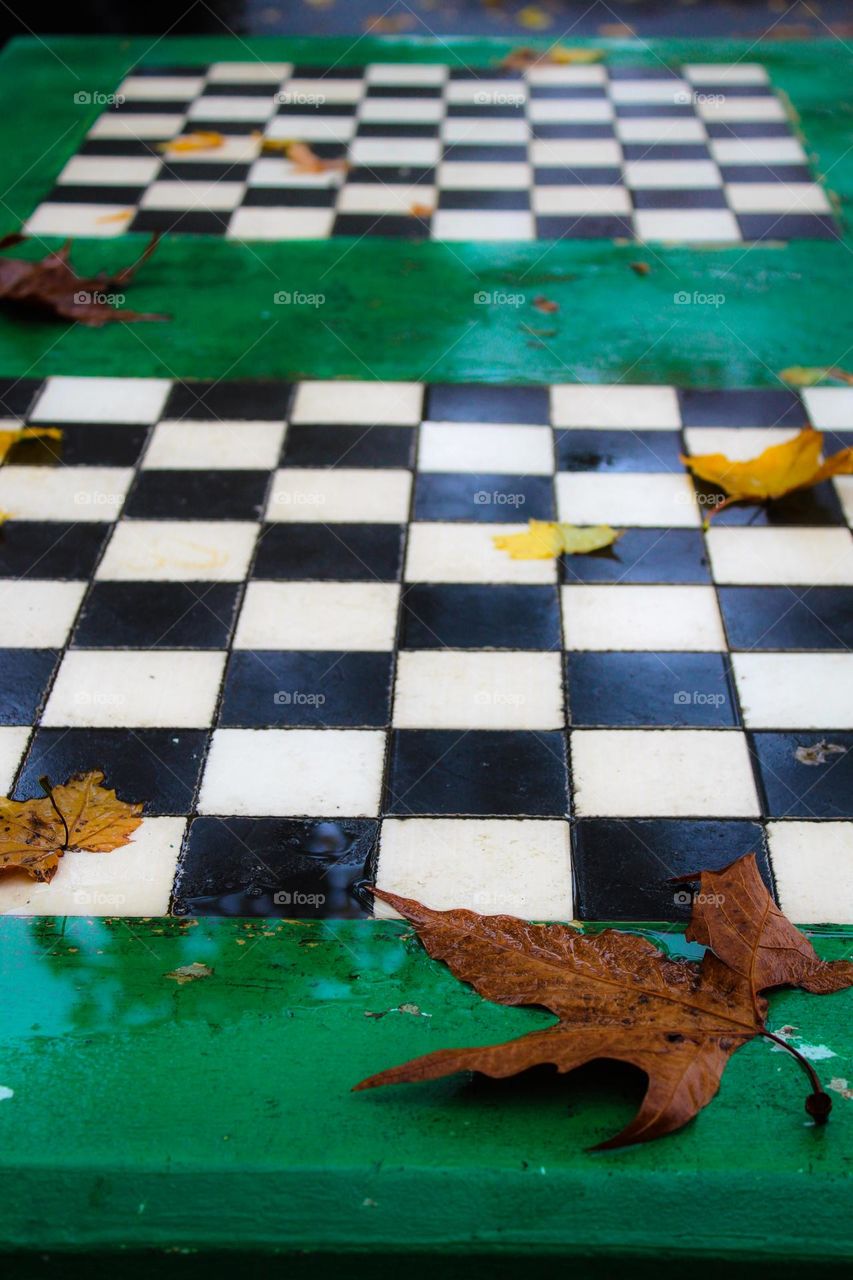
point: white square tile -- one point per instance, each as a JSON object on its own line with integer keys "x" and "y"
{"x": 209, "y": 197}
{"x": 813, "y": 869}
{"x": 277, "y": 171}
{"x": 639, "y": 617}
{"x": 742, "y": 110}
{"x": 662, "y": 129}
{"x": 576, "y": 199}
{"x": 781, "y": 556}
{"x": 294, "y": 772}
{"x": 725, "y": 73}
{"x": 622, "y": 407}
{"x": 666, "y": 91}
{"x": 137, "y": 126}
{"x": 830, "y": 408}
{"x": 462, "y": 175}
{"x": 117, "y": 400}
{"x": 37, "y": 615}
{"x": 438, "y": 552}
{"x": 13, "y": 744}
{"x": 255, "y": 72}
{"x": 63, "y": 493}
{"x": 135, "y": 880}
{"x": 345, "y": 495}
{"x": 61, "y": 219}
{"x": 233, "y": 148}
{"x": 687, "y": 225}
{"x": 325, "y": 89}
{"x": 474, "y": 224}
{"x": 777, "y": 197}
{"x": 384, "y": 197}
{"x": 579, "y": 153}
{"x": 844, "y": 489}
{"x": 647, "y": 175}
{"x": 453, "y": 689}
{"x": 397, "y": 404}
{"x": 493, "y": 866}
{"x": 795, "y": 690}
{"x": 662, "y": 773}
{"x": 624, "y": 500}
{"x": 355, "y": 616}
{"x": 395, "y": 151}
{"x": 757, "y": 151}
{"x": 740, "y": 444}
{"x": 259, "y": 223}
{"x": 570, "y": 110}
{"x": 486, "y": 92}
{"x": 162, "y": 689}
{"x": 312, "y": 128}
{"x": 478, "y": 129}
{"x": 231, "y": 446}
{"x": 161, "y": 88}
{"x": 486, "y": 447}
{"x": 131, "y": 171}
{"x": 406, "y": 73}
{"x": 566, "y": 75}
{"x": 231, "y": 108}
{"x": 398, "y": 110}
{"x": 178, "y": 551}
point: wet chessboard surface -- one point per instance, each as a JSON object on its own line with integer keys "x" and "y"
{"x": 276, "y": 615}
{"x": 706, "y": 153}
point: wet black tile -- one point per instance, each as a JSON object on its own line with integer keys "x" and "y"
{"x": 157, "y": 615}
{"x": 673, "y": 689}
{"x": 284, "y": 867}
{"x": 665, "y": 151}
{"x": 643, "y": 71}
{"x": 407, "y": 129}
{"x": 451, "y": 771}
{"x": 24, "y": 678}
{"x": 622, "y": 869}
{"x": 495, "y": 153}
{"x": 484, "y": 111}
{"x": 564, "y": 175}
{"x": 481, "y": 199}
{"x": 643, "y": 555}
{"x": 599, "y": 132}
{"x": 765, "y": 173}
{"x": 198, "y": 495}
{"x": 679, "y": 198}
{"x": 17, "y": 396}
{"x": 310, "y": 71}
{"x": 747, "y": 129}
{"x": 159, "y": 767}
{"x": 474, "y": 402}
{"x": 403, "y": 91}
{"x": 589, "y": 450}
{"x": 290, "y": 197}
{"x": 66, "y": 193}
{"x": 330, "y": 553}
{"x": 203, "y": 171}
{"x": 493, "y": 499}
{"x": 788, "y": 226}
{"x": 398, "y": 226}
{"x": 586, "y": 227}
{"x": 227, "y": 400}
{"x": 788, "y": 617}
{"x": 348, "y": 446}
{"x": 462, "y": 616}
{"x": 798, "y": 789}
{"x": 50, "y": 548}
{"x": 181, "y": 222}
{"x": 564, "y": 92}
{"x": 333, "y": 110}
{"x": 271, "y": 688}
{"x": 238, "y": 89}
{"x": 640, "y": 110}
{"x": 97, "y": 444}
{"x": 758, "y": 407}
{"x": 819, "y": 506}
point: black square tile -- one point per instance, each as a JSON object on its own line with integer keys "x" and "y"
{"x": 477, "y": 402}
{"x": 285, "y": 867}
{"x": 622, "y": 869}
{"x": 159, "y": 767}
{"x": 493, "y": 153}
{"x": 97, "y": 444}
{"x": 182, "y": 222}
{"x": 395, "y": 132}
{"x": 330, "y": 553}
{"x": 819, "y": 506}
{"x": 592, "y": 450}
{"x": 462, "y": 616}
{"x": 24, "y": 677}
{"x": 481, "y": 199}
{"x": 227, "y": 400}
{"x": 747, "y": 129}
{"x": 202, "y": 171}
{"x": 271, "y": 688}
{"x": 492, "y": 499}
{"x": 817, "y": 785}
{"x": 198, "y": 495}
{"x": 593, "y": 226}
{"x": 765, "y": 173}
{"x": 157, "y": 615}
{"x": 673, "y": 689}
{"x": 788, "y": 226}
{"x": 565, "y": 175}
{"x": 66, "y": 193}
{"x": 665, "y": 151}
{"x": 17, "y": 396}
{"x": 290, "y": 197}
{"x": 398, "y": 226}
{"x": 51, "y": 548}
{"x": 451, "y": 771}
{"x": 679, "y": 198}
{"x": 787, "y": 617}
{"x": 348, "y": 446}
{"x": 756, "y": 407}
{"x": 643, "y": 555}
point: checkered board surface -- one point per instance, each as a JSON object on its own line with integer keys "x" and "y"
{"x": 706, "y": 153}
{"x": 276, "y": 615}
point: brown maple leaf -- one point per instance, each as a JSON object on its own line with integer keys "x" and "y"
{"x": 52, "y": 287}
{"x": 81, "y": 814}
{"x": 616, "y": 996}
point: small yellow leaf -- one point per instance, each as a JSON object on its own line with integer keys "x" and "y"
{"x": 202, "y": 140}
{"x": 547, "y": 539}
{"x": 9, "y": 438}
{"x": 800, "y": 376}
{"x": 124, "y": 215}
{"x": 534, "y": 18}
{"x": 779, "y": 470}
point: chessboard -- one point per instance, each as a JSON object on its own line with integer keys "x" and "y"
{"x": 708, "y": 152}
{"x": 276, "y": 615}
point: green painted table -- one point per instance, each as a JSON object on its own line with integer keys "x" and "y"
{"x": 144, "y": 1122}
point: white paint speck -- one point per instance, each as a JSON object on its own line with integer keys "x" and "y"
{"x": 6, "y": 1093}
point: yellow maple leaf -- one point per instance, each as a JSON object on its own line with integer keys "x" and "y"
{"x": 546, "y": 539}
{"x": 80, "y": 814}
{"x": 15, "y": 435}
{"x": 777, "y": 471}
{"x": 201, "y": 140}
